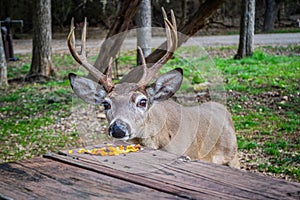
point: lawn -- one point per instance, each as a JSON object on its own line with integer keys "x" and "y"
{"x": 264, "y": 98}
{"x": 262, "y": 92}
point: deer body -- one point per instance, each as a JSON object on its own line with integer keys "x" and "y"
{"x": 143, "y": 113}
{"x": 202, "y": 132}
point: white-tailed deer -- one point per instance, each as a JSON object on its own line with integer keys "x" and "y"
{"x": 142, "y": 112}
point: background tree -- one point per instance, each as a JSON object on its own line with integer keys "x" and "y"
{"x": 3, "y": 67}
{"x": 270, "y": 15}
{"x": 246, "y": 42}
{"x": 41, "y": 63}
{"x": 143, "y": 22}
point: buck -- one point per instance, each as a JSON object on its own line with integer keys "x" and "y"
{"x": 142, "y": 112}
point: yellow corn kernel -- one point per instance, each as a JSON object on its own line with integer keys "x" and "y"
{"x": 80, "y": 151}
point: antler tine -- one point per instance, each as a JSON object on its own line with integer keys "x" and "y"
{"x": 109, "y": 69}
{"x": 105, "y": 80}
{"x": 171, "y": 34}
{"x": 168, "y": 33}
{"x": 83, "y": 38}
{"x": 142, "y": 56}
{"x": 174, "y": 31}
{"x": 71, "y": 42}
{"x": 145, "y": 68}
{"x": 174, "y": 22}
{"x": 172, "y": 40}
{"x": 71, "y": 28}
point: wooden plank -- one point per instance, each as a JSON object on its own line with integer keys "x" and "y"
{"x": 226, "y": 182}
{"x": 122, "y": 175}
{"x": 189, "y": 179}
{"x": 41, "y": 178}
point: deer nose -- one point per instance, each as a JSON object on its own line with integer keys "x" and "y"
{"x": 118, "y": 129}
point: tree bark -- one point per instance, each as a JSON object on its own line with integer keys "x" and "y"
{"x": 246, "y": 41}
{"x": 270, "y": 15}
{"x": 111, "y": 46}
{"x": 195, "y": 23}
{"x": 41, "y": 63}
{"x": 184, "y": 12}
{"x": 3, "y": 66}
{"x": 143, "y": 20}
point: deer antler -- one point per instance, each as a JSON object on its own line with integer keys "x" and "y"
{"x": 103, "y": 79}
{"x": 172, "y": 40}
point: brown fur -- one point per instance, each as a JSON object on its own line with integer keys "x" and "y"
{"x": 204, "y": 132}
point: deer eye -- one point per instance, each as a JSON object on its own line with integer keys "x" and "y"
{"x": 142, "y": 103}
{"x": 106, "y": 105}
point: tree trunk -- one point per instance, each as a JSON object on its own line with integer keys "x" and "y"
{"x": 143, "y": 20}
{"x": 41, "y": 63}
{"x": 3, "y": 67}
{"x": 246, "y": 42}
{"x": 184, "y": 12}
{"x": 111, "y": 46}
{"x": 270, "y": 15}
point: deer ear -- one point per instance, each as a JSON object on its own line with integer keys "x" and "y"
{"x": 88, "y": 90}
{"x": 166, "y": 85}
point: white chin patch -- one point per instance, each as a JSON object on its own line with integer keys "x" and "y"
{"x": 123, "y": 139}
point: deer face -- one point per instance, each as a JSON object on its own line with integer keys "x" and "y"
{"x": 127, "y": 104}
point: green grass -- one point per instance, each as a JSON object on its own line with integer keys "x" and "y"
{"x": 28, "y": 107}
{"x": 263, "y": 98}
{"x": 246, "y": 143}
{"x": 265, "y": 122}
{"x": 261, "y": 73}
{"x": 17, "y": 71}
{"x": 292, "y": 30}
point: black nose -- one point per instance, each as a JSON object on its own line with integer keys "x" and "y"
{"x": 118, "y": 129}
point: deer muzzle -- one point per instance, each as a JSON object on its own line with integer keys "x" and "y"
{"x": 119, "y": 129}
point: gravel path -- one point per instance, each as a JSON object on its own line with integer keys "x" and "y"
{"x": 25, "y": 46}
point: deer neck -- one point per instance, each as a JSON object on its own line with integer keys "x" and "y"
{"x": 162, "y": 122}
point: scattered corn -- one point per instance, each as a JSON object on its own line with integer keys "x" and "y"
{"x": 109, "y": 150}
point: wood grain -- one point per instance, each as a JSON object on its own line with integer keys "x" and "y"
{"x": 41, "y": 178}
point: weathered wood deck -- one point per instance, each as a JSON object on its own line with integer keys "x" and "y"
{"x": 147, "y": 174}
